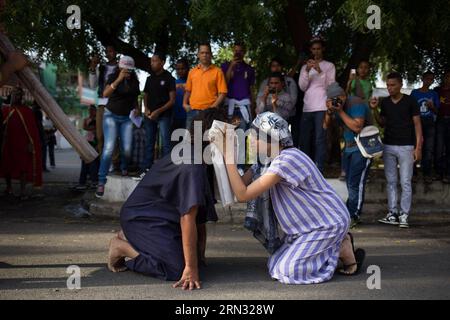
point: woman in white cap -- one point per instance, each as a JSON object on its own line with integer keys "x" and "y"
{"x": 122, "y": 89}
{"x": 310, "y": 213}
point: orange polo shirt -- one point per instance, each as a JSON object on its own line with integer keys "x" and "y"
{"x": 205, "y": 86}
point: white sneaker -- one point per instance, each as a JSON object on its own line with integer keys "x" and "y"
{"x": 391, "y": 219}
{"x": 403, "y": 221}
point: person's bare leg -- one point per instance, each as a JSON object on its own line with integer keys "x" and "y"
{"x": 347, "y": 256}
{"x": 118, "y": 251}
{"x": 201, "y": 234}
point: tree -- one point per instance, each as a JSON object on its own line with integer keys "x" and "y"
{"x": 413, "y": 35}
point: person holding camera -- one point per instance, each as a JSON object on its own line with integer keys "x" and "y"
{"x": 122, "y": 89}
{"x": 275, "y": 99}
{"x": 353, "y": 114}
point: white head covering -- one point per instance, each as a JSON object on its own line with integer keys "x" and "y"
{"x": 274, "y": 126}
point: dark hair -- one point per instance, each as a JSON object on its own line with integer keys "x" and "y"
{"x": 206, "y": 44}
{"x": 207, "y": 118}
{"x": 364, "y": 61}
{"x": 278, "y": 75}
{"x": 396, "y": 76}
{"x": 92, "y": 106}
{"x": 183, "y": 61}
{"x": 317, "y": 40}
{"x": 277, "y": 60}
{"x": 428, "y": 73}
{"x": 160, "y": 55}
{"x": 240, "y": 44}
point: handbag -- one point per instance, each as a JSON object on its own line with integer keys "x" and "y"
{"x": 369, "y": 142}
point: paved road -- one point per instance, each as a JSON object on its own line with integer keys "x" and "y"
{"x": 39, "y": 239}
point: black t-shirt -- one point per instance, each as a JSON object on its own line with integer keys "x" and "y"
{"x": 124, "y": 98}
{"x": 158, "y": 88}
{"x": 399, "y": 128}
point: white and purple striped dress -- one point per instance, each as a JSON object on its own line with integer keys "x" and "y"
{"x": 312, "y": 216}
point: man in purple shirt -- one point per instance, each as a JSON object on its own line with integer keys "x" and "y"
{"x": 240, "y": 78}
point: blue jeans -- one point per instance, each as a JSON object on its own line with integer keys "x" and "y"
{"x": 115, "y": 126}
{"x": 403, "y": 156}
{"x": 311, "y": 126}
{"x": 151, "y": 135}
{"x": 357, "y": 169}
{"x": 190, "y": 117}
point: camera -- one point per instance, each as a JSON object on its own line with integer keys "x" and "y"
{"x": 336, "y": 102}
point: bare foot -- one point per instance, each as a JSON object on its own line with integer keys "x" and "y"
{"x": 116, "y": 261}
{"x": 348, "y": 257}
{"x": 121, "y": 236}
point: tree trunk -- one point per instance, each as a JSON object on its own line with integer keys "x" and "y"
{"x": 364, "y": 45}
{"x": 140, "y": 59}
{"x": 298, "y": 25}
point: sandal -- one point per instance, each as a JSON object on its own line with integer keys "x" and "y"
{"x": 360, "y": 255}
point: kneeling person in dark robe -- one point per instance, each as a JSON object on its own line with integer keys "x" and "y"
{"x": 163, "y": 221}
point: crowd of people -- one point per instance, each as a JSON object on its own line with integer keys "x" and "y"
{"x": 163, "y": 221}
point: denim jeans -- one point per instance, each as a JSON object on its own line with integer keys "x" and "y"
{"x": 115, "y": 126}
{"x": 190, "y": 117}
{"x": 428, "y": 128}
{"x": 151, "y": 136}
{"x": 312, "y": 127}
{"x": 443, "y": 147}
{"x": 403, "y": 156}
{"x": 90, "y": 169}
{"x": 357, "y": 169}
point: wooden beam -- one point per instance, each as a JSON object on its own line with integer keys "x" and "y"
{"x": 49, "y": 105}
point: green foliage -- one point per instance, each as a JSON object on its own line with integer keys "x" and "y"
{"x": 413, "y": 35}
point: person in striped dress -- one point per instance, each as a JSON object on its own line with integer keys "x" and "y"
{"x": 311, "y": 214}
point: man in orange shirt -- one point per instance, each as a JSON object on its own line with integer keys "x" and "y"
{"x": 206, "y": 86}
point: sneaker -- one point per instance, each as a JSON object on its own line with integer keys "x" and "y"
{"x": 355, "y": 222}
{"x": 391, "y": 219}
{"x": 93, "y": 186}
{"x": 403, "y": 221}
{"x": 141, "y": 174}
{"x": 100, "y": 191}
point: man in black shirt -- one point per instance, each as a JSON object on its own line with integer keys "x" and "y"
{"x": 400, "y": 117}
{"x": 160, "y": 94}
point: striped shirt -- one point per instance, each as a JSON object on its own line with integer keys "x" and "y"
{"x": 313, "y": 217}
{"x": 303, "y": 200}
